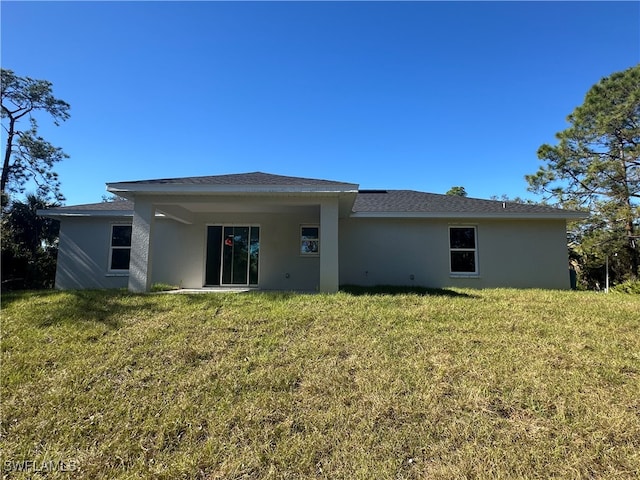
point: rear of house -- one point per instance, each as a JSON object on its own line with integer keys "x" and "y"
{"x": 287, "y": 233}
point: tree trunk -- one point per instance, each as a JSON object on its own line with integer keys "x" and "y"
{"x": 7, "y": 155}
{"x": 629, "y": 227}
{"x": 632, "y": 248}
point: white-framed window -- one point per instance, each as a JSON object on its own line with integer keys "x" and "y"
{"x": 463, "y": 250}
{"x": 120, "y": 247}
{"x": 309, "y": 240}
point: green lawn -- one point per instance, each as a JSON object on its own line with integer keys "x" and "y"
{"x": 449, "y": 384}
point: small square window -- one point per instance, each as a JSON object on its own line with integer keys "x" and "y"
{"x": 309, "y": 240}
{"x": 463, "y": 262}
{"x": 120, "y": 258}
{"x": 464, "y": 237}
{"x": 121, "y": 236}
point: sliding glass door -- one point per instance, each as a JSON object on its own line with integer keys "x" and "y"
{"x": 232, "y": 255}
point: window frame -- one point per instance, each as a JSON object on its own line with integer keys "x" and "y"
{"x": 474, "y": 250}
{"x": 301, "y": 252}
{"x": 112, "y": 247}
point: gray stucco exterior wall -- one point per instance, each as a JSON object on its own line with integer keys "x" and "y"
{"x": 510, "y": 253}
{"x": 83, "y": 254}
{"x": 179, "y": 251}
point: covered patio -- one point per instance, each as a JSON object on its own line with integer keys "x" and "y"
{"x": 261, "y": 217}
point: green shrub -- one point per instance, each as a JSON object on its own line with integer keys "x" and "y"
{"x": 630, "y": 286}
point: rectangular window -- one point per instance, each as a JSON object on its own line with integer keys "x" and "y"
{"x": 463, "y": 250}
{"x": 120, "y": 248}
{"x": 309, "y": 240}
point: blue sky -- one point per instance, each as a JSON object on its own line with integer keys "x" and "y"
{"x": 397, "y": 95}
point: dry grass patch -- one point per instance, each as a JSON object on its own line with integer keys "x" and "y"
{"x": 443, "y": 384}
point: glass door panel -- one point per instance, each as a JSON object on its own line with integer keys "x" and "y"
{"x": 254, "y": 253}
{"x": 240, "y": 250}
{"x": 214, "y": 247}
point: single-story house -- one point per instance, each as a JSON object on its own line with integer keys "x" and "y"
{"x": 277, "y": 232}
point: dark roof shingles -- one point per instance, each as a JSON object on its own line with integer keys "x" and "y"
{"x": 410, "y": 201}
{"x": 383, "y": 201}
{"x": 115, "y": 206}
{"x": 254, "y": 178}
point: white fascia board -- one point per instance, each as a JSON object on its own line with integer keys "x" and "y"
{"x": 150, "y": 189}
{"x": 84, "y": 213}
{"x": 513, "y": 216}
{"x": 87, "y": 213}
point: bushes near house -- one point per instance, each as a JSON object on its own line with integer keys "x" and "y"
{"x": 431, "y": 384}
{"x": 630, "y": 286}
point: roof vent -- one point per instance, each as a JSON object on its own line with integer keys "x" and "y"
{"x": 373, "y": 191}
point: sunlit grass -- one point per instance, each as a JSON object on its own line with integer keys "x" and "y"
{"x": 430, "y": 384}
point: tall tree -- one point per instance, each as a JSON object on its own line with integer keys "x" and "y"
{"x": 596, "y": 164}
{"x": 27, "y": 155}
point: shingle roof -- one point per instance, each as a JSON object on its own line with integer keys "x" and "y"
{"x": 410, "y": 201}
{"x": 370, "y": 203}
{"x": 253, "y": 178}
{"x": 118, "y": 207}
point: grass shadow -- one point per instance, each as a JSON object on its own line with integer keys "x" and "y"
{"x": 14, "y": 296}
{"x": 108, "y": 307}
{"x": 358, "y": 290}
